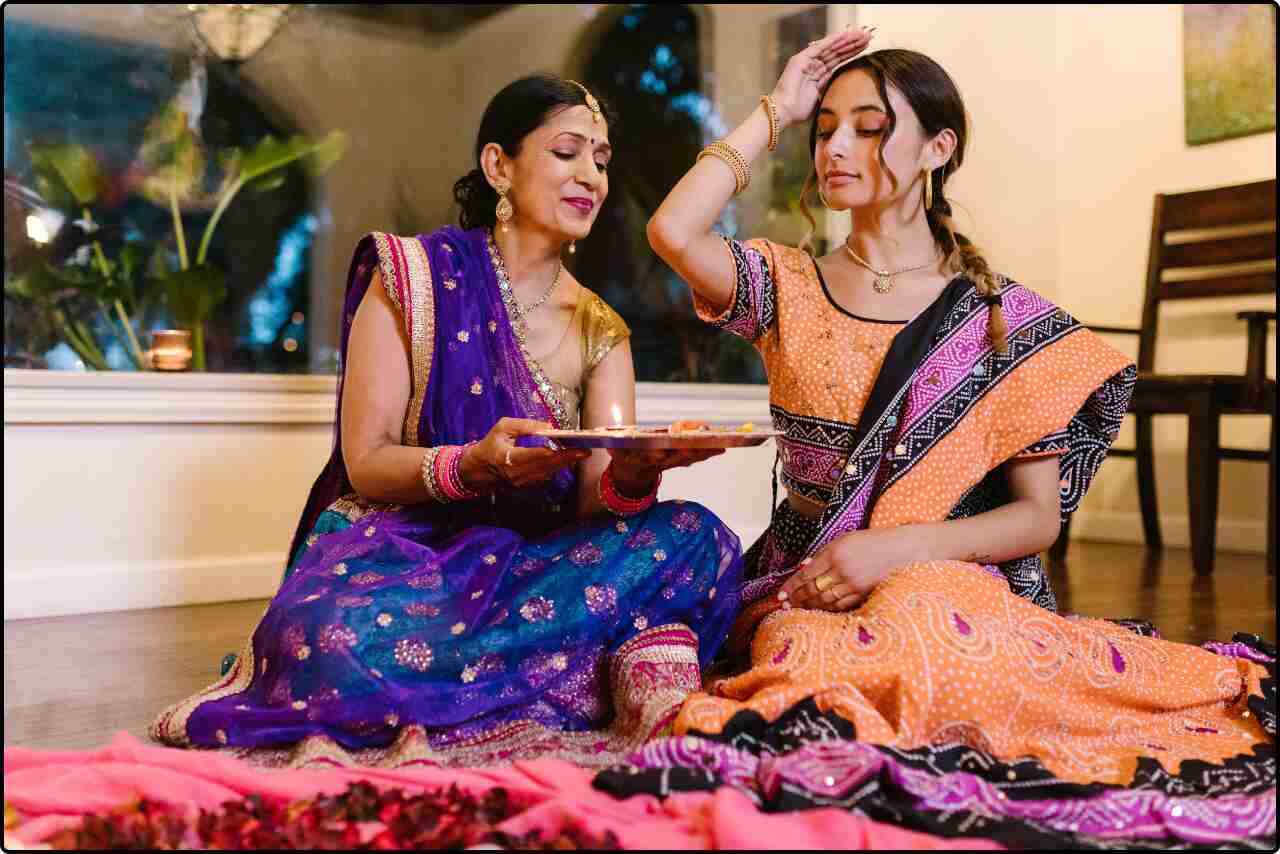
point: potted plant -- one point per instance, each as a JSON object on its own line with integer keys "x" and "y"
{"x": 123, "y": 281}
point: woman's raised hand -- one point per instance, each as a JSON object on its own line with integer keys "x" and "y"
{"x": 496, "y": 462}
{"x": 800, "y": 86}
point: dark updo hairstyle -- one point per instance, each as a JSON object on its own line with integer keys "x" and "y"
{"x": 520, "y": 108}
{"x": 937, "y": 103}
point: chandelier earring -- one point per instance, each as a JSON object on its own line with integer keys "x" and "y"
{"x": 504, "y": 211}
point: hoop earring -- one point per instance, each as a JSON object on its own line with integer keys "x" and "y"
{"x": 928, "y": 189}
{"x": 504, "y": 211}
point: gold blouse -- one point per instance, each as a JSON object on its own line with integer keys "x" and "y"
{"x": 595, "y": 329}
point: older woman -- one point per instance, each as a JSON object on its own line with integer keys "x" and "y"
{"x": 459, "y": 589}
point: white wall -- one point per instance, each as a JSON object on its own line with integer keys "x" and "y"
{"x": 1121, "y": 139}
{"x": 1076, "y": 122}
{"x": 145, "y": 490}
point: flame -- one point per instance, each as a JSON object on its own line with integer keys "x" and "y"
{"x": 617, "y": 414}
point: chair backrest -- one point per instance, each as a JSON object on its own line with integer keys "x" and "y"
{"x": 1208, "y": 243}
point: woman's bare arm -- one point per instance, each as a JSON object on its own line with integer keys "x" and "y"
{"x": 1027, "y": 525}
{"x": 680, "y": 230}
{"x": 375, "y": 395}
{"x": 856, "y": 562}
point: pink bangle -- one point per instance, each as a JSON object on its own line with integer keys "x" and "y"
{"x": 620, "y": 505}
{"x": 452, "y": 484}
{"x": 447, "y": 474}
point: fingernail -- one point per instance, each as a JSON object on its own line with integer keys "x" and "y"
{"x": 782, "y": 594}
{"x": 806, "y": 561}
{"x": 786, "y": 606}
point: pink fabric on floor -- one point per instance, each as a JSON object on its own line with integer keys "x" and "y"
{"x": 51, "y": 787}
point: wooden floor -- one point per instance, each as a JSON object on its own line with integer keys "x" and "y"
{"x": 72, "y": 682}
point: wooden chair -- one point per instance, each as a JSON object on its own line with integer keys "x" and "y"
{"x": 1244, "y": 218}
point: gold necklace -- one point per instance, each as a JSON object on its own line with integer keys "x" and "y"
{"x": 525, "y": 309}
{"x": 884, "y": 278}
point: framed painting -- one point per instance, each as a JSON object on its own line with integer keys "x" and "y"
{"x": 1229, "y": 67}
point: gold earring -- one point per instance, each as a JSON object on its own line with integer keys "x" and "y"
{"x": 928, "y": 189}
{"x": 503, "y": 211}
{"x": 572, "y": 246}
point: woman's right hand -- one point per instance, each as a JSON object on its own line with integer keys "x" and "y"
{"x": 800, "y": 86}
{"x": 495, "y": 463}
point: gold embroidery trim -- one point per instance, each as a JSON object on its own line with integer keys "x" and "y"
{"x": 356, "y": 508}
{"x": 388, "y": 268}
{"x": 422, "y": 336}
{"x": 171, "y": 726}
{"x": 419, "y": 321}
{"x": 549, "y": 394}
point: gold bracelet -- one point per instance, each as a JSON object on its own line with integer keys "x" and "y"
{"x": 733, "y": 158}
{"x": 772, "y": 110}
{"x": 429, "y": 474}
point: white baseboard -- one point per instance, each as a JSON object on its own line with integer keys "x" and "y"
{"x": 56, "y": 591}
{"x": 60, "y": 591}
{"x": 1234, "y": 535}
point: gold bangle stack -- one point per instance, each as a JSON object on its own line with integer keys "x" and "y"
{"x": 771, "y": 109}
{"x": 731, "y": 156}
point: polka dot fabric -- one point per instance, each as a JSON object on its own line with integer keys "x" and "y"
{"x": 941, "y": 653}
{"x": 1037, "y": 399}
{"x": 821, "y": 362}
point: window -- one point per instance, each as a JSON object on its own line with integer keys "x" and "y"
{"x": 87, "y": 243}
{"x": 647, "y": 63}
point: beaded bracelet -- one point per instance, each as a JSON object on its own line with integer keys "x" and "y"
{"x": 771, "y": 109}
{"x": 429, "y": 473}
{"x": 620, "y": 505}
{"x": 733, "y": 158}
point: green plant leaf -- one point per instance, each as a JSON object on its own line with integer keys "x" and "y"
{"x": 67, "y": 174}
{"x": 271, "y": 154}
{"x": 19, "y": 287}
{"x": 267, "y": 183}
{"x": 194, "y": 293}
{"x": 173, "y": 157}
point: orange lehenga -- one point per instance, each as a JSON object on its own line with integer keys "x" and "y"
{"x": 897, "y": 424}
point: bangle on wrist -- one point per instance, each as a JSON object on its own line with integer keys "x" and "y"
{"x": 733, "y": 158}
{"x": 620, "y": 505}
{"x": 429, "y": 458}
{"x": 441, "y": 474}
{"x": 771, "y": 110}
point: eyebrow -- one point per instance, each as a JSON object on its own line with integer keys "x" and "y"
{"x": 599, "y": 146}
{"x": 865, "y": 108}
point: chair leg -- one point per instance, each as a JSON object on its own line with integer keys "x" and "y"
{"x": 1202, "y": 481}
{"x": 1145, "y": 456}
{"x": 1058, "y": 551}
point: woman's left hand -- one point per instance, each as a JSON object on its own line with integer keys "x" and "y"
{"x": 844, "y": 573}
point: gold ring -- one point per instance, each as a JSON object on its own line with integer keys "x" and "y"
{"x": 822, "y": 582}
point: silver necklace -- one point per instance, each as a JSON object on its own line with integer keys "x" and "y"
{"x": 884, "y": 278}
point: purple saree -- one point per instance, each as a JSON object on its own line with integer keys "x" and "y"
{"x": 475, "y": 632}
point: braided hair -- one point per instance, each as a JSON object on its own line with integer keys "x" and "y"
{"x": 934, "y": 97}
